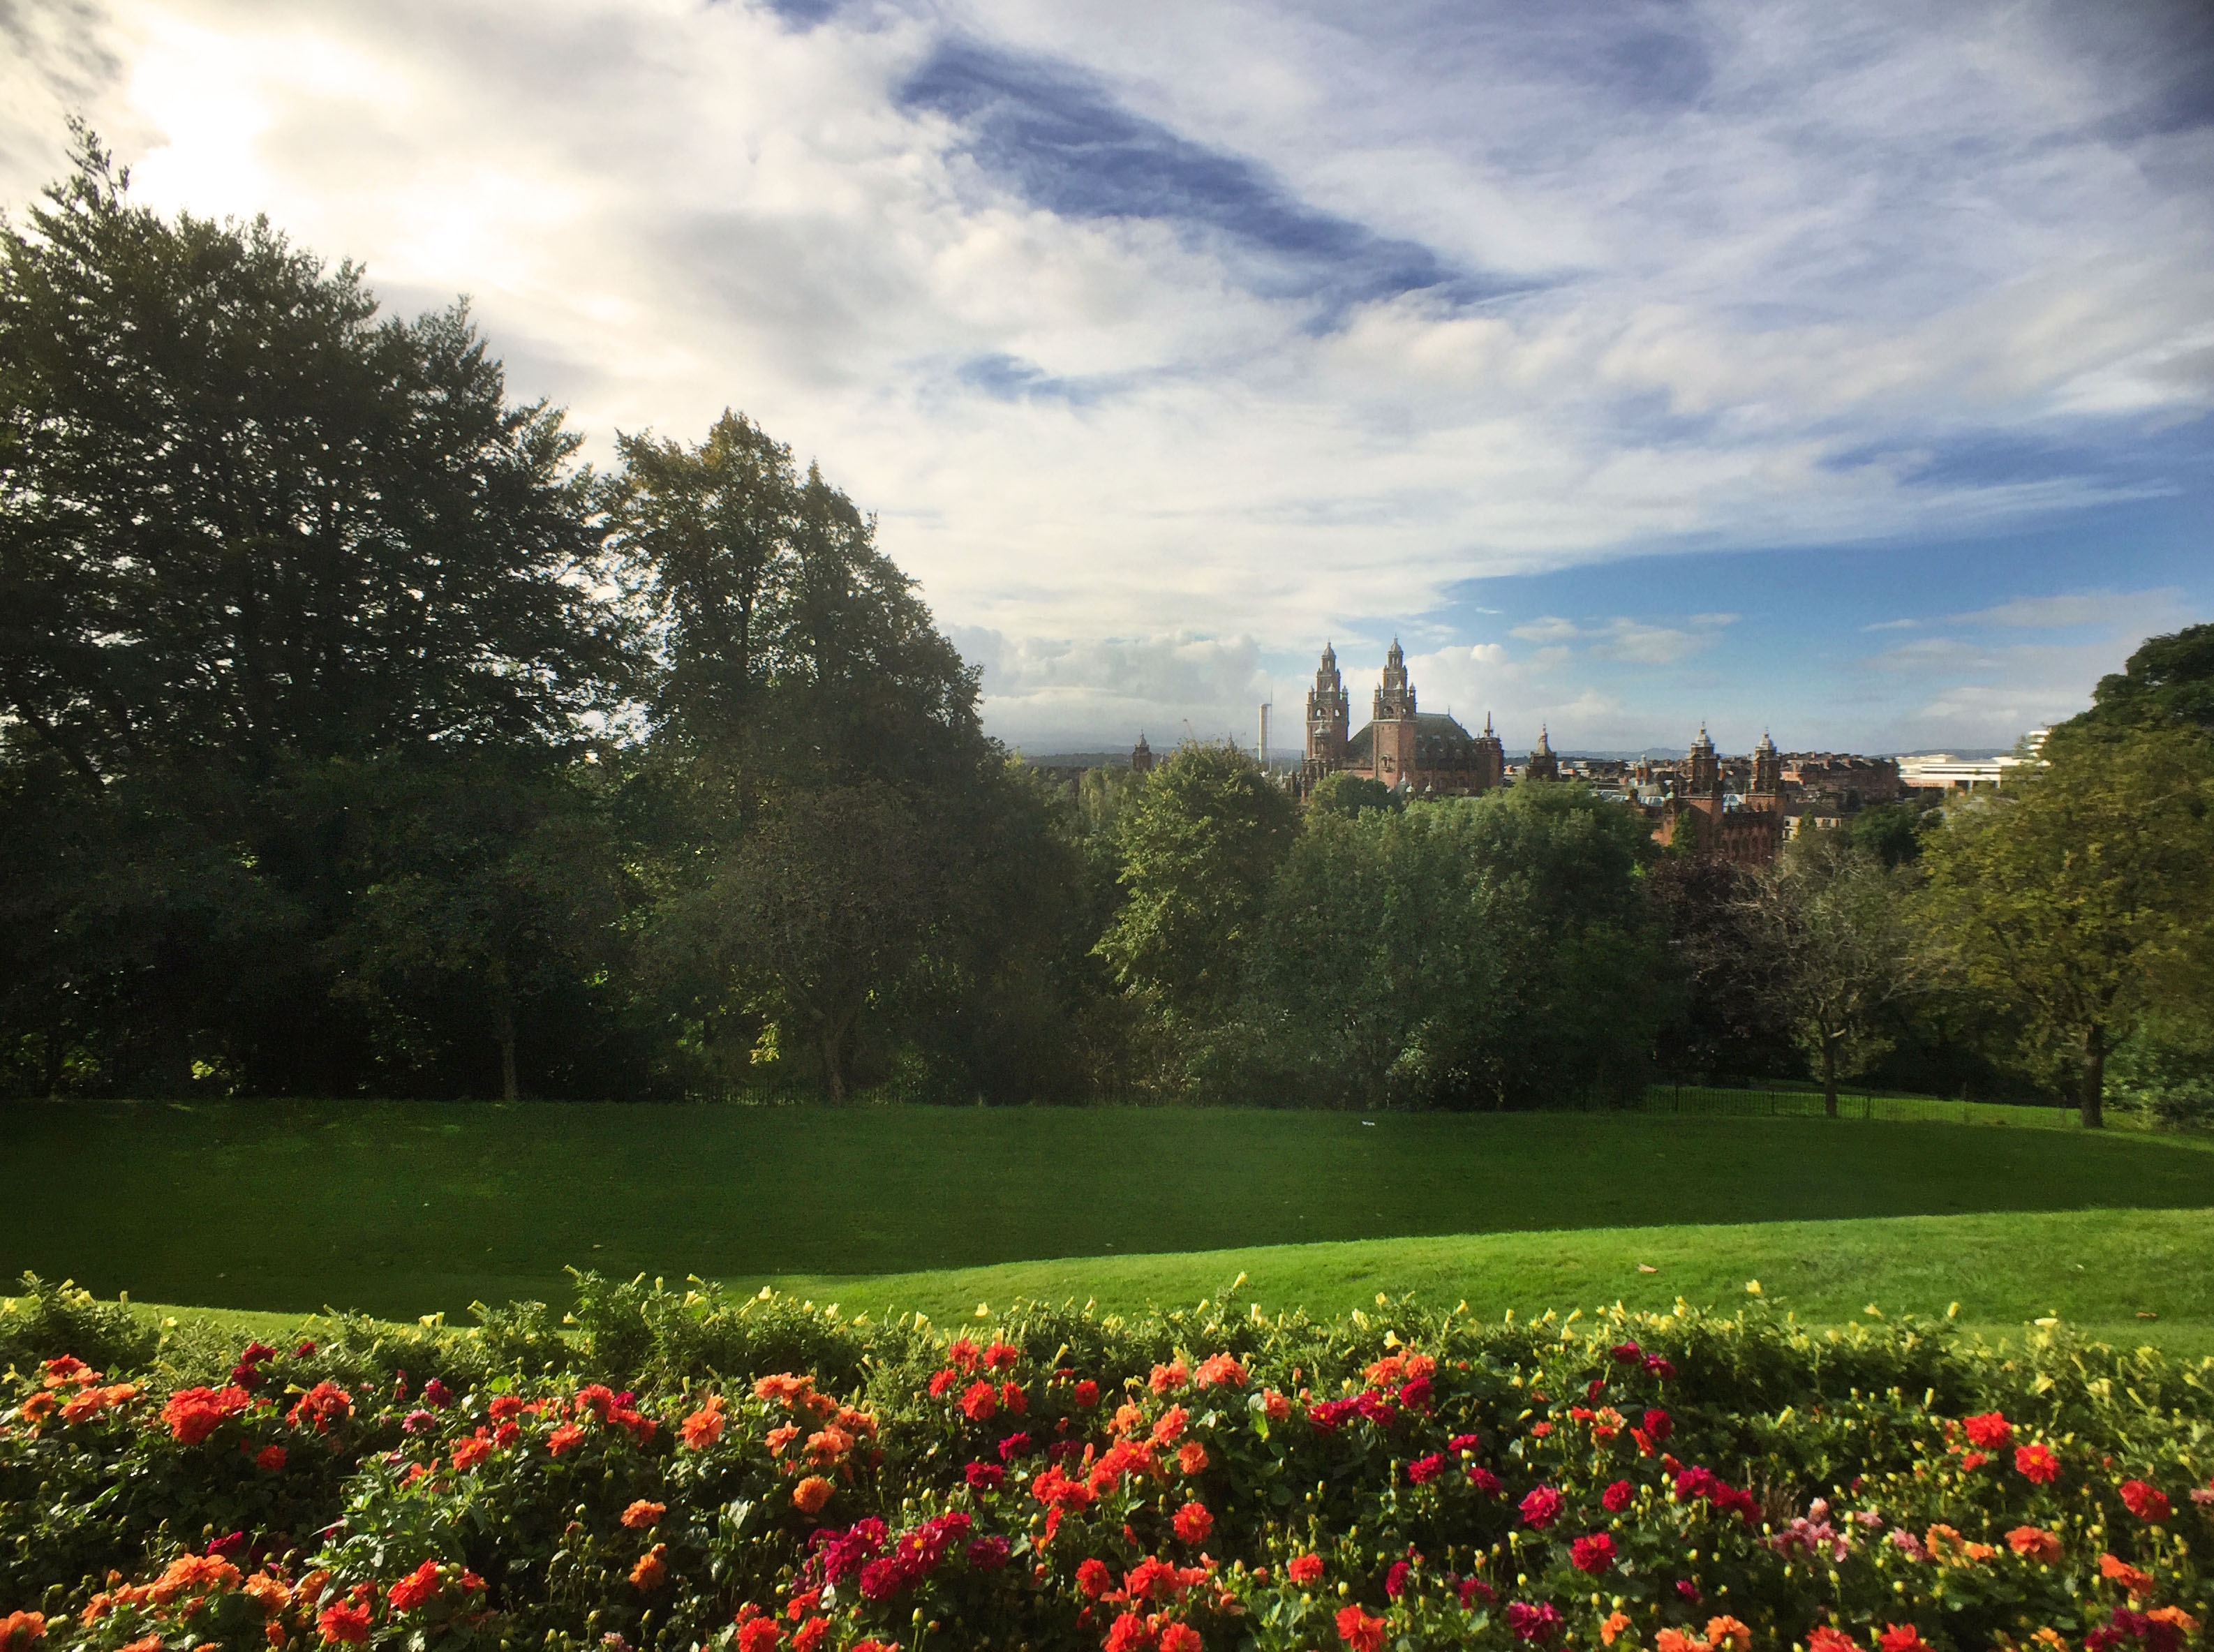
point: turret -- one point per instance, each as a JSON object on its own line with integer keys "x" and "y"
{"x": 1329, "y": 715}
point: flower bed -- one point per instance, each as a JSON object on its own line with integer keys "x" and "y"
{"x": 687, "y": 1469}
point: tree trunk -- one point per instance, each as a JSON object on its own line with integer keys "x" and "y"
{"x": 1829, "y": 1076}
{"x": 504, "y": 1029}
{"x": 52, "y": 1051}
{"x": 2095, "y": 1078}
{"x": 834, "y": 1066}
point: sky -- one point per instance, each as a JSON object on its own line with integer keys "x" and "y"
{"x": 1843, "y": 371}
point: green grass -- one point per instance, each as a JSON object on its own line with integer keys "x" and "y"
{"x": 403, "y": 1209}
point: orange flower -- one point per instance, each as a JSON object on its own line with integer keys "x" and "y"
{"x": 148, "y": 1643}
{"x": 1675, "y": 1640}
{"x": 781, "y": 1436}
{"x": 1274, "y": 1406}
{"x": 2175, "y": 1615}
{"x": 829, "y": 1445}
{"x": 193, "y": 1414}
{"x": 1219, "y": 1370}
{"x": 1127, "y": 1417}
{"x": 321, "y": 1406}
{"x": 191, "y": 1575}
{"x": 22, "y": 1631}
{"x": 811, "y": 1494}
{"x": 705, "y": 1426}
{"x": 564, "y": 1439}
{"x": 642, "y": 1514}
{"x": 268, "y": 1592}
{"x": 1728, "y": 1631}
{"x": 1170, "y": 1425}
{"x": 1192, "y": 1458}
{"x": 2034, "y": 1542}
{"x": 651, "y": 1569}
{"x": 1193, "y": 1522}
{"x": 1616, "y": 1623}
{"x": 2117, "y": 1570}
{"x": 1172, "y": 1375}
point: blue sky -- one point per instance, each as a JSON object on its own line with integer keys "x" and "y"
{"x": 1843, "y": 370}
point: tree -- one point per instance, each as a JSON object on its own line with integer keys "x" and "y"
{"x": 1488, "y": 952}
{"x": 2072, "y": 895}
{"x": 243, "y": 522}
{"x": 820, "y": 911}
{"x": 1200, "y": 844}
{"x": 2168, "y": 684}
{"x": 1831, "y": 941}
{"x": 1347, "y": 794}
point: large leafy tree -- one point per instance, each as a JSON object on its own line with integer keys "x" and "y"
{"x": 253, "y": 536}
{"x": 1833, "y": 948}
{"x": 243, "y": 520}
{"x": 1200, "y": 842}
{"x": 2075, "y": 895}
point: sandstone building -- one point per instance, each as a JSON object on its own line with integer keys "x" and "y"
{"x": 1420, "y": 753}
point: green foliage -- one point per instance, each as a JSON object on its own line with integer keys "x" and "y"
{"x": 2168, "y": 684}
{"x": 2073, "y": 896}
{"x": 1486, "y": 952}
{"x": 1200, "y": 844}
{"x": 2166, "y": 1070}
{"x": 1345, "y": 794}
{"x": 47, "y": 1320}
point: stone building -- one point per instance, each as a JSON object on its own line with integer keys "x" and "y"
{"x": 1420, "y": 753}
{"x": 1700, "y": 814}
{"x": 1543, "y": 765}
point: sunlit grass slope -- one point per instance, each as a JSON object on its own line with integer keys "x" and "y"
{"x": 402, "y": 1209}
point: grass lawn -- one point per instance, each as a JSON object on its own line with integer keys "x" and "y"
{"x": 403, "y": 1209}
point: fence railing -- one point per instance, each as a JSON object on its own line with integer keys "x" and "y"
{"x": 1695, "y": 1100}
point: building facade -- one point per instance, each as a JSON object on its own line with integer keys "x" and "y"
{"x": 1420, "y": 753}
{"x": 1700, "y": 817}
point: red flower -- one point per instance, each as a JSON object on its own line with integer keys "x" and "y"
{"x": 760, "y": 1635}
{"x": 565, "y": 1438}
{"x": 1179, "y": 1637}
{"x": 1616, "y": 1497}
{"x": 1306, "y": 1570}
{"x": 269, "y": 1459}
{"x": 320, "y": 1407}
{"x": 1541, "y": 1507}
{"x": 193, "y": 1414}
{"x": 1989, "y": 1431}
{"x": 345, "y": 1620}
{"x": 1593, "y": 1554}
{"x": 1129, "y": 1634}
{"x": 1538, "y": 1623}
{"x": 1659, "y": 1425}
{"x": 963, "y": 1353}
{"x": 1359, "y": 1630}
{"x": 1193, "y": 1522}
{"x": 1826, "y": 1639}
{"x": 1001, "y": 1356}
{"x": 1395, "y": 1581}
{"x": 2037, "y": 1464}
{"x": 1424, "y": 1469}
{"x": 1087, "y": 1393}
{"x": 980, "y": 1403}
{"x": 2145, "y": 1502}
{"x": 811, "y": 1635}
{"x": 941, "y": 1384}
{"x": 1902, "y": 1637}
{"x": 1484, "y": 1480}
{"x": 412, "y": 1590}
{"x": 1092, "y": 1578}
{"x": 985, "y": 1477}
{"x": 471, "y": 1451}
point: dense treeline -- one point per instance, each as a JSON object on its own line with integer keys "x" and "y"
{"x": 355, "y": 739}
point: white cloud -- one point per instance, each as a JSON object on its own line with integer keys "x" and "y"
{"x": 2150, "y": 608}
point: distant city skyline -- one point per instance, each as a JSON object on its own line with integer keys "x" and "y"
{"x": 1841, "y": 371}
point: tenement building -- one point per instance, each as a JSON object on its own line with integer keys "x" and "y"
{"x": 1420, "y": 753}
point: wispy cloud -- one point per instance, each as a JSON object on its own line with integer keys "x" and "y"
{"x": 2079, "y": 608}
{"x": 1248, "y": 320}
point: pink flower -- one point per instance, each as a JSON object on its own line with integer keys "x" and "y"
{"x": 1541, "y": 1507}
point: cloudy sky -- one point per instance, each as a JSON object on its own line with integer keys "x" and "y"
{"x": 1839, "y": 368}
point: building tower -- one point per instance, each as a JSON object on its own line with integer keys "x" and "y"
{"x": 1391, "y": 728}
{"x": 1490, "y": 758}
{"x": 1767, "y": 789}
{"x": 1542, "y": 764}
{"x": 1330, "y": 716}
{"x": 1706, "y": 768}
{"x": 1141, "y": 756}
